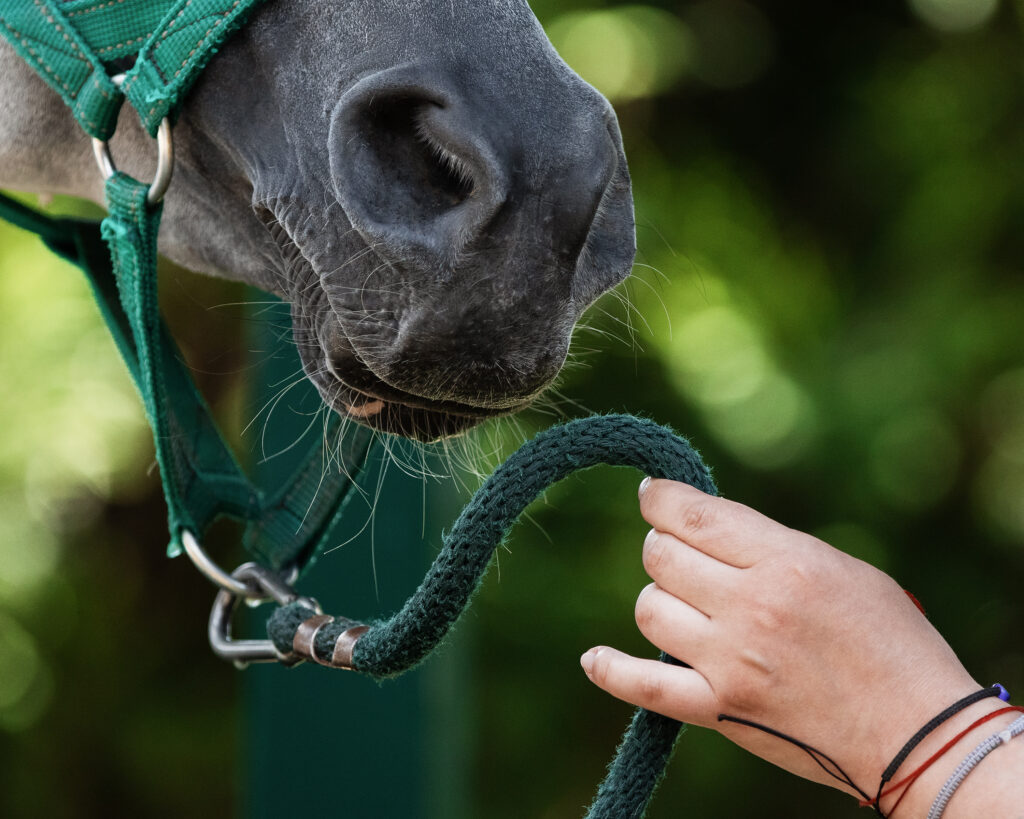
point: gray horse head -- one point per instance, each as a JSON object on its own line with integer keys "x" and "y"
{"x": 434, "y": 191}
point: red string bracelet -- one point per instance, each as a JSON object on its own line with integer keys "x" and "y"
{"x": 912, "y": 777}
{"x": 916, "y": 602}
{"x": 947, "y": 713}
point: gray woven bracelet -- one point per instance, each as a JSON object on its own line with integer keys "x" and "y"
{"x": 970, "y": 763}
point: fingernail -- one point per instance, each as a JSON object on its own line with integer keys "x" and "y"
{"x": 587, "y": 660}
{"x": 644, "y": 484}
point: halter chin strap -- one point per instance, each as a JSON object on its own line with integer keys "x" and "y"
{"x": 76, "y": 45}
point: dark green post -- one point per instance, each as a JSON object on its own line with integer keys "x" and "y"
{"x": 319, "y": 742}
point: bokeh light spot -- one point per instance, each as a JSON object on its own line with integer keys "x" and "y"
{"x": 25, "y": 684}
{"x": 999, "y": 484}
{"x": 720, "y": 362}
{"x": 28, "y": 550}
{"x": 1002, "y": 415}
{"x": 998, "y": 489}
{"x": 626, "y": 53}
{"x": 719, "y": 356}
{"x": 914, "y": 458}
{"x": 955, "y": 15}
{"x": 769, "y": 428}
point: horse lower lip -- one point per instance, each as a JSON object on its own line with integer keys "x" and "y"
{"x": 366, "y": 404}
{"x": 367, "y": 410}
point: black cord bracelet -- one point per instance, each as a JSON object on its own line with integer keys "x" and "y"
{"x": 931, "y": 725}
{"x": 833, "y": 769}
{"x": 820, "y": 757}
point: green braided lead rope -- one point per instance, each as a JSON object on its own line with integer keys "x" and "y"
{"x": 390, "y": 647}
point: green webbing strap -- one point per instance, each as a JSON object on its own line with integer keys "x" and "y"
{"x": 46, "y": 39}
{"x": 115, "y": 30}
{"x": 200, "y": 477}
{"x": 70, "y": 43}
{"x": 202, "y": 480}
{"x": 177, "y": 51}
{"x": 390, "y": 647}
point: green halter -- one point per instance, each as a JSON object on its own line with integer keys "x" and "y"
{"x": 73, "y": 45}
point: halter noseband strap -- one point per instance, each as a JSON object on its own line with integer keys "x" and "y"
{"x": 74, "y": 45}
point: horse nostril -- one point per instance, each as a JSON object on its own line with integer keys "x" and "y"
{"x": 420, "y": 176}
{"x": 407, "y": 169}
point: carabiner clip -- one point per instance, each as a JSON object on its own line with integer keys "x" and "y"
{"x": 269, "y": 586}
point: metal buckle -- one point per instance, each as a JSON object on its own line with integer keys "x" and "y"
{"x": 164, "y": 157}
{"x": 262, "y": 585}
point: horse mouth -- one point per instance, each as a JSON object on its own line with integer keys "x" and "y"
{"x": 348, "y": 386}
{"x": 387, "y": 409}
{"x": 355, "y": 391}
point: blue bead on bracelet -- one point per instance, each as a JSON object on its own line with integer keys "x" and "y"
{"x": 1004, "y": 695}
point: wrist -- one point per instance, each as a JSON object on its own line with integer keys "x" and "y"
{"x": 952, "y": 742}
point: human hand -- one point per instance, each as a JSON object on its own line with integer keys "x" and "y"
{"x": 786, "y": 631}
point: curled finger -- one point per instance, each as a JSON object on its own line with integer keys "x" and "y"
{"x": 680, "y": 693}
{"x": 673, "y": 625}
{"x": 690, "y": 574}
{"x": 727, "y": 531}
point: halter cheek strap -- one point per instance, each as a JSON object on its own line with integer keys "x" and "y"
{"x": 75, "y": 46}
{"x": 201, "y": 478}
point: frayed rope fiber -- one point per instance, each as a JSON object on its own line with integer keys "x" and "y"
{"x": 396, "y": 644}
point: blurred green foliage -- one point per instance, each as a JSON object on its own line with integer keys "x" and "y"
{"x": 827, "y": 301}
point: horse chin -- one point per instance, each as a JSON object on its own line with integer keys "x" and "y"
{"x": 418, "y": 424}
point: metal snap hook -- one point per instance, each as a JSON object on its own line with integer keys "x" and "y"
{"x": 164, "y": 157}
{"x": 213, "y": 572}
{"x": 242, "y": 652}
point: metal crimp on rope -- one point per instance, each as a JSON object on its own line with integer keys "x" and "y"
{"x": 304, "y": 642}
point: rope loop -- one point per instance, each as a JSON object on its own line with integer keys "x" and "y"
{"x": 387, "y": 648}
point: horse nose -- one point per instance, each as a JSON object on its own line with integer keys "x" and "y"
{"x": 425, "y": 167}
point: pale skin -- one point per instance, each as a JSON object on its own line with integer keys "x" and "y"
{"x": 784, "y": 630}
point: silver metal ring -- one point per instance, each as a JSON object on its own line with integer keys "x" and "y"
{"x": 164, "y": 157}
{"x": 214, "y": 572}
